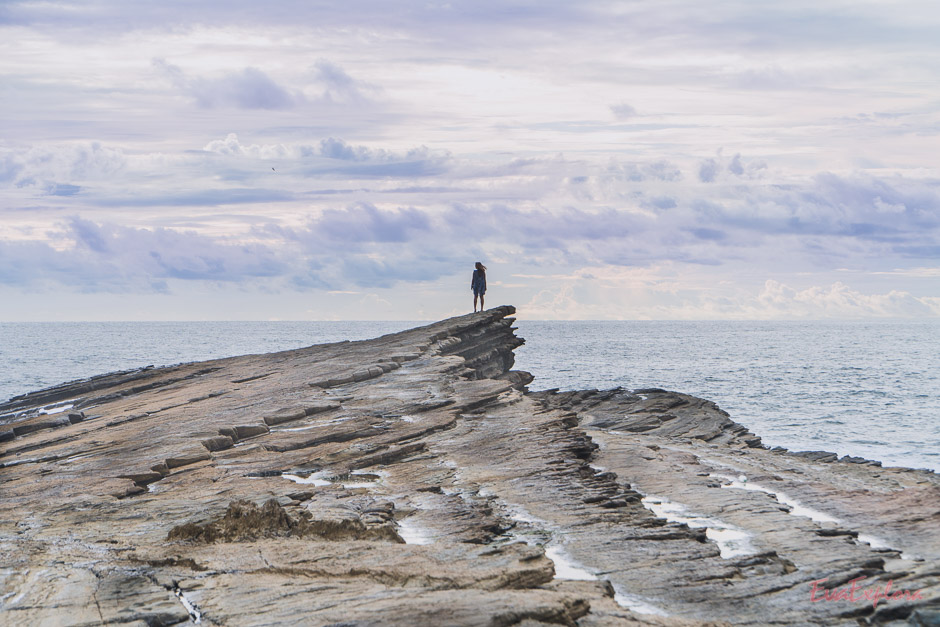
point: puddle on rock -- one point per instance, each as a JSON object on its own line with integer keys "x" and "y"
{"x": 318, "y": 478}
{"x": 316, "y": 425}
{"x": 732, "y": 541}
{"x": 635, "y": 603}
{"x": 349, "y": 481}
{"x": 56, "y": 408}
{"x": 798, "y": 509}
{"x": 412, "y": 533}
{"x": 537, "y": 533}
{"x": 194, "y": 613}
{"x": 565, "y": 567}
{"x": 361, "y": 479}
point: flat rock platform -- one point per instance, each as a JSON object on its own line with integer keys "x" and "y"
{"x": 415, "y": 479}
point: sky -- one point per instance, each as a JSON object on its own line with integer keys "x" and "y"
{"x": 303, "y": 160}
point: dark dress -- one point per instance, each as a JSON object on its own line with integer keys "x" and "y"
{"x": 478, "y": 283}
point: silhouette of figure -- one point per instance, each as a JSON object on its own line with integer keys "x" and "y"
{"x": 478, "y": 285}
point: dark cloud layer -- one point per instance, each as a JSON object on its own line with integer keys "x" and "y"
{"x": 363, "y": 245}
{"x": 108, "y": 257}
{"x": 249, "y": 88}
{"x": 718, "y": 25}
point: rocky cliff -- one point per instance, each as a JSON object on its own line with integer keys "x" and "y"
{"x": 413, "y": 480}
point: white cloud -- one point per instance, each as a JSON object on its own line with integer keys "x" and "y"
{"x": 661, "y": 292}
{"x": 913, "y": 272}
{"x": 47, "y": 166}
{"x": 838, "y": 301}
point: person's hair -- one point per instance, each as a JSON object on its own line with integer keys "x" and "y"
{"x": 479, "y": 266}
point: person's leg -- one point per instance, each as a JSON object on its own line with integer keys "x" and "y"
{"x": 481, "y": 302}
{"x": 474, "y": 302}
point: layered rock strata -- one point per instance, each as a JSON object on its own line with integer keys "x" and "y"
{"x": 414, "y": 480}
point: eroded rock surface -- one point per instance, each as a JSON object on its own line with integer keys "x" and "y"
{"x": 414, "y": 480}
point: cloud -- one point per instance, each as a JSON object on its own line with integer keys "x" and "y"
{"x": 913, "y": 272}
{"x": 838, "y": 301}
{"x": 661, "y": 203}
{"x": 339, "y": 86}
{"x": 249, "y": 88}
{"x": 329, "y": 147}
{"x": 199, "y": 198}
{"x": 770, "y": 78}
{"x": 55, "y": 168}
{"x": 366, "y": 223}
{"x": 330, "y": 157}
{"x": 623, "y": 111}
{"x": 708, "y": 171}
{"x": 62, "y": 189}
{"x": 637, "y": 171}
{"x": 107, "y": 258}
{"x": 669, "y": 291}
{"x": 829, "y": 221}
{"x": 338, "y": 149}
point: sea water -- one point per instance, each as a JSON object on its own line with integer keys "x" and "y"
{"x": 870, "y": 389}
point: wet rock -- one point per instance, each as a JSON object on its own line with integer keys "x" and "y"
{"x": 186, "y": 458}
{"x": 218, "y": 443}
{"x": 285, "y": 415}
{"x": 38, "y": 424}
{"x": 244, "y": 432}
{"x": 819, "y": 456}
{"x": 316, "y": 408}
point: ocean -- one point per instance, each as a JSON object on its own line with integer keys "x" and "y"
{"x": 865, "y": 388}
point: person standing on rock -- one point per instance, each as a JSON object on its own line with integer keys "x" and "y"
{"x": 478, "y": 285}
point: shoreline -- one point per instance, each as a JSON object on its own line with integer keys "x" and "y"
{"x": 792, "y": 441}
{"x": 415, "y": 479}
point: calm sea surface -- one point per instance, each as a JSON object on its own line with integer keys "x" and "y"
{"x": 858, "y": 388}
